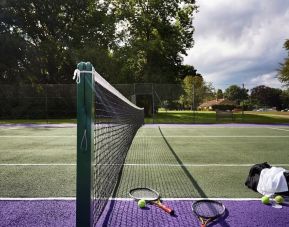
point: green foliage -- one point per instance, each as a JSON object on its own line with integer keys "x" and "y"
{"x": 223, "y": 107}
{"x": 195, "y": 91}
{"x": 283, "y": 72}
{"x": 126, "y": 41}
{"x": 266, "y": 96}
{"x": 285, "y": 99}
{"x": 219, "y": 94}
{"x": 236, "y": 93}
{"x": 152, "y": 36}
{"x": 50, "y": 35}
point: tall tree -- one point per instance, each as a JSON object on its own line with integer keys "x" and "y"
{"x": 196, "y": 90}
{"x": 219, "y": 94}
{"x": 283, "y": 72}
{"x": 266, "y": 96}
{"x": 52, "y": 33}
{"x": 285, "y": 99}
{"x": 236, "y": 93}
{"x": 153, "y": 36}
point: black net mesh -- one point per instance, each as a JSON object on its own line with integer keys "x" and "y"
{"x": 116, "y": 123}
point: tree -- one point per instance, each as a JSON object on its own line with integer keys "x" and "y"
{"x": 195, "y": 91}
{"x": 153, "y": 36}
{"x": 126, "y": 41}
{"x": 219, "y": 94}
{"x": 236, "y": 93}
{"x": 52, "y": 37}
{"x": 266, "y": 96}
{"x": 285, "y": 99}
{"x": 283, "y": 72}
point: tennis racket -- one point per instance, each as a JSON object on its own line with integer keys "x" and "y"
{"x": 150, "y": 196}
{"x": 208, "y": 210}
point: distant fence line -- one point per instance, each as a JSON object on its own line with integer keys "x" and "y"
{"x": 48, "y": 101}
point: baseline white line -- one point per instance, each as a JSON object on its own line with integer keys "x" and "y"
{"x": 37, "y": 199}
{"x": 191, "y": 199}
{"x": 13, "y": 136}
{"x": 212, "y": 136}
{"x": 36, "y": 164}
{"x": 124, "y": 199}
{"x": 280, "y": 129}
{"x": 141, "y": 164}
{"x": 176, "y": 136}
{"x": 197, "y": 165}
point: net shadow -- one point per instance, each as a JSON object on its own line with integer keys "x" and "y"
{"x": 187, "y": 173}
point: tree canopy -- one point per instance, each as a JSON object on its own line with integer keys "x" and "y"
{"x": 236, "y": 93}
{"x": 266, "y": 96}
{"x": 283, "y": 72}
{"x": 126, "y": 41}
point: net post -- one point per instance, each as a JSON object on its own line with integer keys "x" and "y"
{"x": 85, "y": 143}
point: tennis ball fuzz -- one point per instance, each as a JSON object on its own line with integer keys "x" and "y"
{"x": 265, "y": 200}
{"x": 142, "y": 203}
{"x": 279, "y": 199}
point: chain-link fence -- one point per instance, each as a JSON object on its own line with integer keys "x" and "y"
{"x": 42, "y": 101}
{"x": 58, "y": 101}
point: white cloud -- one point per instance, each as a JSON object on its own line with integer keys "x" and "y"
{"x": 268, "y": 80}
{"x": 237, "y": 42}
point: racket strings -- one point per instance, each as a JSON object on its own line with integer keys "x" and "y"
{"x": 144, "y": 193}
{"x": 208, "y": 209}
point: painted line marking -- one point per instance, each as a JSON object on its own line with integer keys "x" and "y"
{"x": 37, "y": 199}
{"x": 48, "y": 136}
{"x": 36, "y": 164}
{"x": 170, "y": 136}
{"x": 124, "y": 199}
{"x": 203, "y": 136}
{"x": 280, "y": 129}
{"x": 197, "y": 165}
{"x": 140, "y": 164}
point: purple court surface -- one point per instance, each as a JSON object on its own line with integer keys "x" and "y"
{"x": 126, "y": 213}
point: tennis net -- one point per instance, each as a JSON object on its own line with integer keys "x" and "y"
{"x": 105, "y": 134}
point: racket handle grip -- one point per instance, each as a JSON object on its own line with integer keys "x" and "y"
{"x": 165, "y": 208}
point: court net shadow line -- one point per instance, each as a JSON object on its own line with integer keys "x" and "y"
{"x": 188, "y": 174}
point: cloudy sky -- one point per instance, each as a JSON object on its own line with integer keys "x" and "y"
{"x": 240, "y": 41}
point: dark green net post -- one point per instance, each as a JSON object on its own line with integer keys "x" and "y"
{"x": 85, "y": 130}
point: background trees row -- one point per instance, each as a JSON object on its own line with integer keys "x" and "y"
{"x": 127, "y": 41}
{"x": 196, "y": 91}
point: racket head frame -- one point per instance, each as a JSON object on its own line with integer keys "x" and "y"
{"x": 211, "y": 218}
{"x": 155, "y": 198}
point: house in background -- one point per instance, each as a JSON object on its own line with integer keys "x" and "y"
{"x": 209, "y": 105}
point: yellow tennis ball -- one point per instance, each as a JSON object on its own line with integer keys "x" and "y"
{"x": 265, "y": 200}
{"x": 279, "y": 199}
{"x": 142, "y": 203}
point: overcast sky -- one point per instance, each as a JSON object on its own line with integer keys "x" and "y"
{"x": 240, "y": 41}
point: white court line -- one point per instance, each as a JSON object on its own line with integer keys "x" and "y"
{"x": 36, "y": 164}
{"x": 204, "y": 136}
{"x": 280, "y": 129}
{"x": 192, "y": 199}
{"x": 198, "y": 165}
{"x": 33, "y": 136}
{"x": 37, "y": 199}
{"x": 137, "y": 164}
{"x": 125, "y": 199}
{"x": 176, "y": 136}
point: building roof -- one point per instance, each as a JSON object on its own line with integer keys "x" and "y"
{"x": 217, "y": 102}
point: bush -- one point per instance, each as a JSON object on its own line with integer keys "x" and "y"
{"x": 223, "y": 107}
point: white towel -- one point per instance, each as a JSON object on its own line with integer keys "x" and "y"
{"x": 272, "y": 181}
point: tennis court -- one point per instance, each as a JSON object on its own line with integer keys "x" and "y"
{"x": 181, "y": 162}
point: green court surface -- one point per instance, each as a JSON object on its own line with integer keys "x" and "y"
{"x": 178, "y": 161}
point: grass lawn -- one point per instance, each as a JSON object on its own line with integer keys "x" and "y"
{"x": 186, "y": 117}
{"x": 209, "y": 117}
